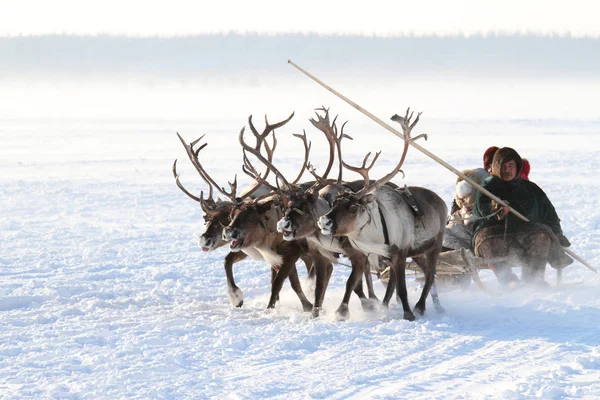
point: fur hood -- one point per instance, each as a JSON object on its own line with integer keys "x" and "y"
{"x": 464, "y": 188}
{"x": 464, "y": 191}
{"x": 503, "y": 155}
{"x": 477, "y": 174}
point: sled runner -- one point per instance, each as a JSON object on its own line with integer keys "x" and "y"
{"x": 455, "y": 268}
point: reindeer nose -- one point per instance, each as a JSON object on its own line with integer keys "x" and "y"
{"x": 284, "y": 224}
{"x": 325, "y": 222}
{"x": 205, "y": 241}
{"x": 231, "y": 234}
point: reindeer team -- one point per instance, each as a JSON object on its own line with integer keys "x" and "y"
{"x": 368, "y": 221}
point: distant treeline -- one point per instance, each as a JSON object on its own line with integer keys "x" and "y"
{"x": 206, "y": 57}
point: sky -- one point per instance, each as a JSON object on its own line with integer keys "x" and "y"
{"x": 385, "y": 18}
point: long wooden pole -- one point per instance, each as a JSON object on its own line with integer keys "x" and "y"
{"x": 429, "y": 154}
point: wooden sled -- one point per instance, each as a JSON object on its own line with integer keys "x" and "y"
{"x": 455, "y": 268}
{"x": 458, "y": 268}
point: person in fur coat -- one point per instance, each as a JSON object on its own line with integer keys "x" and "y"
{"x": 459, "y": 230}
{"x": 530, "y": 244}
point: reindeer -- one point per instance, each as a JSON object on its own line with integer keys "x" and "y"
{"x": 217, "y": 213}
{"x": 379, "y": 220}
{"x": 252, "y": 228}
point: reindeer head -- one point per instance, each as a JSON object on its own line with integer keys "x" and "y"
{"x": 348, "y": 213}
{"x": 250, "y": 222}
{"x": 216, "y": 217}
{"x": 301, "y": 209}
{"x": 351, "y": 211}
{"x": 216, "y": 212}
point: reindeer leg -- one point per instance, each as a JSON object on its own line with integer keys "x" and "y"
{"x": 436, "y": 299}
{"x": 290, "y": 252}
{"x": 297, "y": 287}
{"x": 287, "y": 270}
{"x": 309, "y": 263}
{"x": 236, "y": 296}
{"x": 369, "y": 281}
{"x": 389, "y": 291}
{"x": 311, "y": 273}
{"x": 366, "y": 303}
{"x": 274, "y": 296}
{"x": 425, "y": 263}
{"x": 358, "y": 264}
{"x": 399, "y": 265}
{"x": 278, "y": 276}
{"x": 323, "y": 269}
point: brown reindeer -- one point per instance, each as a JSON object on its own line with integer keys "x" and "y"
{"x": 380, "y": 220}
{"x": 217, "y": 212}
{"x": 252, "y": 229}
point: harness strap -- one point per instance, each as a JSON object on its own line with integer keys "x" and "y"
{"x": 384, "y": 225}
{"x": 411, "y": 201}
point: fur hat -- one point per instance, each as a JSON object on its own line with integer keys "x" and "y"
{"x": 503, "y": 155}
{"x": 488, "y": 156}
{"x": 525, "y": 170}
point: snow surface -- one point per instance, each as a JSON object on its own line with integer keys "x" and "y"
{"x": 104, "y": 292}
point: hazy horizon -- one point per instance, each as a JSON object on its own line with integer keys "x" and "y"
{"x": 505, "y": 76}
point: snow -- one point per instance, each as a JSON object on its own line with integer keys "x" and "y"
{"x": 104, "y": 292}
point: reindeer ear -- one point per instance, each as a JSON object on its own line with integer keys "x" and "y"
{"x": 367, "y": 198}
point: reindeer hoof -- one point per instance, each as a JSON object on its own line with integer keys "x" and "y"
{"x": 307, "y": 306}
{"x": 409, "y": 316}
{"x": 342, "y": 313}
{"x": 236, "y": 297}
{"x": 419, "y": 310}
{"x": 315, "y": 312}
{"x": 368, "y": 305}
{"x": 439, "y": 309}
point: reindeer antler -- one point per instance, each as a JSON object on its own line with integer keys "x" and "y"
{"x": 364, "y": 170}
{"x": 248, "y": 168}
{"x": 180, "y": 186}
{"x": 260, "y": 137}
{"x": 307, "y": 145}
{"x": 330, "y": 130}
{"x": 193, "y": 156}
{"x": 251, "y": 171}
{"x": 321, "y": 180}
{"x": 335, "y": 140}
{"x": 407, "y": 126}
